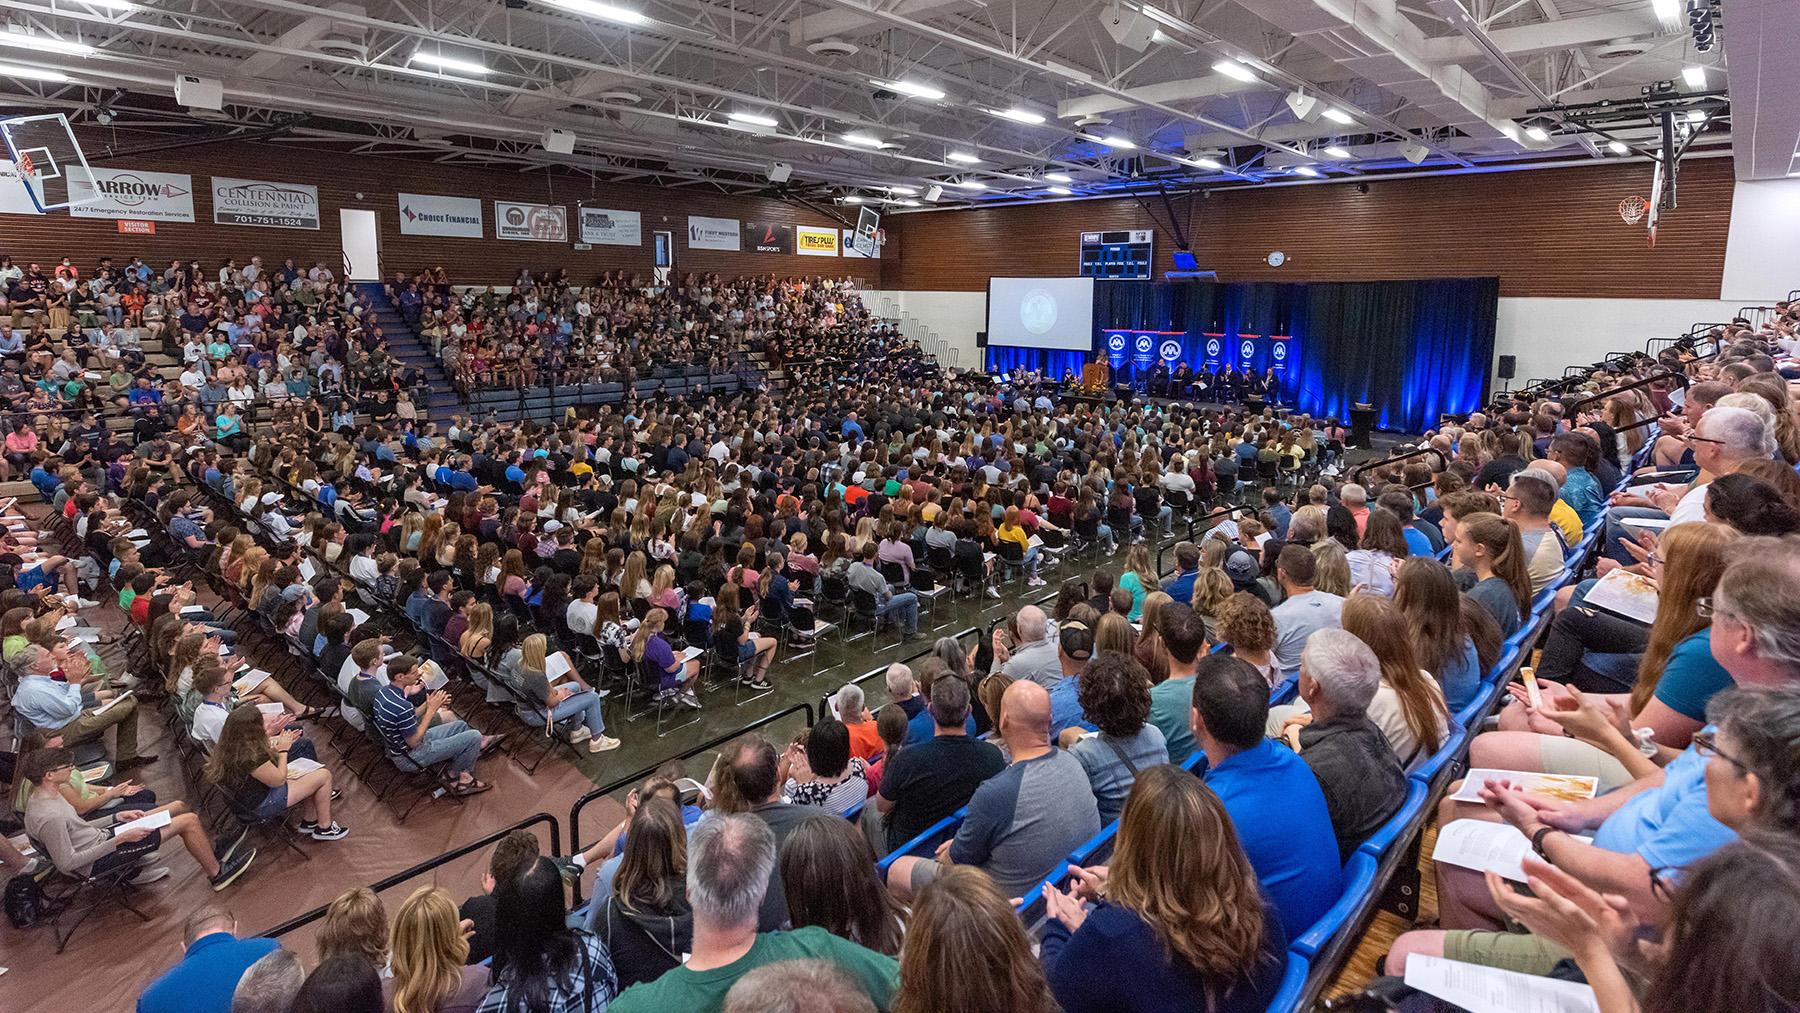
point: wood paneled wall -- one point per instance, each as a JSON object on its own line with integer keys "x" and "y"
{"x": 357, "y": 181}
{"x": 1548, "y": 232}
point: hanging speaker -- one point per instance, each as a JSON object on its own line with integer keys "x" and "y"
{"x": 980, "y": 339}
{"x": 1304, "y": 106}
{"x": 1130, "y": 29}
{"x": 1509, "y": 364}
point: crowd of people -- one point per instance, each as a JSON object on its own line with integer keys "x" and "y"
{"x": 549, "y": 565}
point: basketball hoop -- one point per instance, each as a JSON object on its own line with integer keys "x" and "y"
{"x": 1633, "y": 209}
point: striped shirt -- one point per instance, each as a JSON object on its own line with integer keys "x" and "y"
{"x": 395, "y": 716}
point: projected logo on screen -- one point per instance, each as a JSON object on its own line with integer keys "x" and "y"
{"x": 1037, "y": 311}
{"x": 1171, "y": 350}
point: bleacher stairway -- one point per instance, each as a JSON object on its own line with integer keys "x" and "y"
{"x": 410, "y": 347}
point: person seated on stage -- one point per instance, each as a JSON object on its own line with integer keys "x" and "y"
{"x": 1181, "y": 380}
{"x": 1158, "y": 384}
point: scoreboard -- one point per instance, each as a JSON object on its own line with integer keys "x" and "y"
{"x": 1124, "y": 255}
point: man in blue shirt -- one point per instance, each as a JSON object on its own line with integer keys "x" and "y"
{"x": 409, "y": 728}
{"x": 1074, "y": 647}
{"x": 851, "y": 426}
{"x": 1274, "y": 800}
{"x": 1187, "y": 567}
{"x": 1577, "y": 452}
{"x": 55, "y": 708}
{"x": 209, "y": 972}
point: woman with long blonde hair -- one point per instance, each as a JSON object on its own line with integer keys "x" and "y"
{"x": 1114, "y": 634}
{"x": 479, "y": 636}
{"x": 1139, "y": 578}
{"x": 428, "y": 950}
{"x": 675, "y": 678}
{"x": 966, "y": 951}
{"x": 1408, "y": 707}
{"x": 1332, "y": 567}
{"x": 1180, "y": 921}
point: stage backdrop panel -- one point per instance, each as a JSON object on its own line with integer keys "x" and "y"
{"x": 1412, "y": 349}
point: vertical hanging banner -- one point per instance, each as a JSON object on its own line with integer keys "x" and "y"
{"x": 1116, "y": 344}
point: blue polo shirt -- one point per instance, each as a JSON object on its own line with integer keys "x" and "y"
{"x": 1065, "y": 708}
{"x": 206, "y": 977}
{"x": 922, "y": 728}
{"x": 1279, "y": 811}
{"x": 1668, "y": 826}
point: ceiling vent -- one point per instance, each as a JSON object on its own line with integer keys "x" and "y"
{"x": 1622, "y": 50}
{"x": 833, "y": 48}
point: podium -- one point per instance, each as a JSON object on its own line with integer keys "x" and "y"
{"x": 1362, "y": 423}
{"x": 1095, "y": 376}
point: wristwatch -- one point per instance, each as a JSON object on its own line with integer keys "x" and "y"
{"x": 1537, "y": 841}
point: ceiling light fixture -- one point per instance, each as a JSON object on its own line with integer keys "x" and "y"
{"x": 603, "y": 11}
{"x": 1696, "y": 116}
{"x": 442, "y": 62}
{"x": 1061, "y": 191}
{"x": 853, "y": 199}
{"x": 1336, "y": 151}
{"x": 758, "y": 119}
{"x": 1537, "y": 133}
{"x": 22, "y": 72}
{"x": 905, "y": 191}
{"x": 912, "y": 88}
{"x": 971, "y": 184}
{"x": 1234, "y": 69}
{"x": 1115, "y": 141}
{"x": 1338, "y": 116}
{"x": 1018, "y": 115}
{"x": 1306, "y": 170}
{"x": 43, "y": 43}
{"x": 1059, "y": 177}
{"x": 1666, "y": 10}
{"x": 864, "y": 140}
{"x": 1207, "y": 163}
{"x": 964, "y": 157}
{"x": 1694, "y": 75}
{"x": 1617, "y": 147}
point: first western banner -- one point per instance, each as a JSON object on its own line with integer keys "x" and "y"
{"x": 425, "y": 214}
{"x": 130, "y": 193}
{"x": 264, "y": 204}
{"x": 546, "y": 223}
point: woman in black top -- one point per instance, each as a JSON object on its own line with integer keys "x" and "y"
{"x": 645, "y": 921}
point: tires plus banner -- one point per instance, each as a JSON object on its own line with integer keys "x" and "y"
{"x": 543, "y": 223}
{"x": 765, "y": 237}
{"x": 131, "y": 193}
{"x": 815, "y": 242}
{"x": 263, "y": 204}
{"x": 425, "y": 214}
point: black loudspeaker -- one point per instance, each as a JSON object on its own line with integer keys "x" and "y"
{"x": 980, "y": 339}
{"x": 1509, "y": 364}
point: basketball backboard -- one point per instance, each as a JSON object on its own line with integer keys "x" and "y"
{"x": 47, "y": 157}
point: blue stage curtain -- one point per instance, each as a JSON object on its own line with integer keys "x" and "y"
{"x": 1050, "y": 362}
{"x": 1413, "y": 349}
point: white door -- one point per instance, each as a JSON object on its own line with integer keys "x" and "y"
{"x": 362, "y": 248}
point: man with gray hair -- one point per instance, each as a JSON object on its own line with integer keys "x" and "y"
{"x": 1033, "y": 658}
{"x": 1723, "y": 439}
{"x": 1355, "y": 766}
{"x": 1355, "y": 499}
{"x": 60, "y": 708}
{"x": 852, "y": 709}
{"x": 269, "y": 986}
{"x": 903, "y": 690}
{"x": 798, "y": 986}
{"x": 730, "y": 858}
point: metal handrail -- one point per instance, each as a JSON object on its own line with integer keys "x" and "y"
{"x": 1356, "y": 473}
{"x": 825, "y": 701}
{"x": 638, "y": 775}
{"x": 429, "y": 865}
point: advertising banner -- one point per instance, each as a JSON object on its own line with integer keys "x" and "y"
{"x": 427, "y": 214}
{"x": 260, "y": 203}
{"x": 815, "y": 242}
{"x": 763, "y": 237}
{"x": 612, "y": 228}
{"x": 130, "y": 193}
{"x": 543, "y": 223}
{"x": 712, "y": 233}
{"x": 848, "y": 245}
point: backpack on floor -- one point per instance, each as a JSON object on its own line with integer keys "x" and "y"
{"x": 24, "y": 901}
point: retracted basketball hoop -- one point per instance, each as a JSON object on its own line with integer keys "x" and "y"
{"x": 1633, "y": 209}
